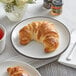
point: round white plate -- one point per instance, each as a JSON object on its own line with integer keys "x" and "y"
{"x": 4, "y": 65}
{"x": 36, "y": 50}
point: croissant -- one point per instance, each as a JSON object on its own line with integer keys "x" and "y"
{"x": 41, "y": 31}
{"x": 16, "y": 71}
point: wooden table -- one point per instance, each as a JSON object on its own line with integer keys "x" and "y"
{"x": 56, "y": 69}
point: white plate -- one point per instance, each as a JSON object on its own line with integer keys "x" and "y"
{"x": 4, "y": 65}
{"x": 36, "y": 50}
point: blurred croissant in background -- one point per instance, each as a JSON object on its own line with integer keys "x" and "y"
{"x": 41, "y": 31}
{"x": 16, "y": 71}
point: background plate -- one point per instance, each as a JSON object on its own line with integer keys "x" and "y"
{"x": 4, "y": 65}
{"x": 35, "y": 49}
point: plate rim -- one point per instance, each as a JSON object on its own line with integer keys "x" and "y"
{"x": 39, "y": 17}
{"x": 24, "y": 63}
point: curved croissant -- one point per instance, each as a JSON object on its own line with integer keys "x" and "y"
{"x": 41, "y": 31}
{"x": 16, "y": 71}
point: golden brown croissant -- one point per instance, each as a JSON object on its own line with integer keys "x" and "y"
{"x": 16, "y": 71}
{"x": 41, "y": 31}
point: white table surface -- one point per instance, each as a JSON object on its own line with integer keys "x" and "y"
{"x": 67, "y": 17}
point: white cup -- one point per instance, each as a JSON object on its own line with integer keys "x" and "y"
{"x": 3, "y": 39}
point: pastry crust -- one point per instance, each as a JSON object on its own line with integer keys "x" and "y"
{"x": 16, "y": 71}
{"x": 41, "y": 31}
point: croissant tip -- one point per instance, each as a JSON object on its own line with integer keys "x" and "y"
{"x": 8, "y": 69}
{"x": 48, "y": 51}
